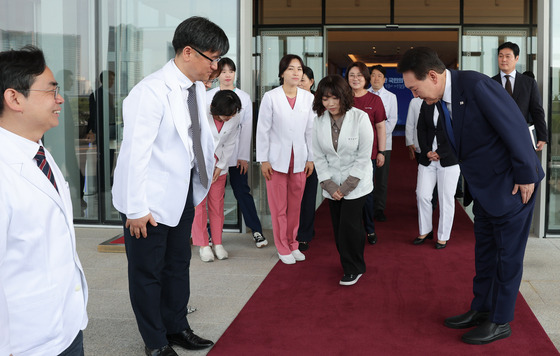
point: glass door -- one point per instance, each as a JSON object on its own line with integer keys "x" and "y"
{"x": 271, "y": 47}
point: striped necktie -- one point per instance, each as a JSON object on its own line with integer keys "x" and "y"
{"x": 195, "y": 131}
{"x": 44, "y": 166}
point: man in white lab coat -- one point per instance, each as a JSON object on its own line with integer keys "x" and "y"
{"x": 43, "y": 291}
{"x": 163, "y": 171}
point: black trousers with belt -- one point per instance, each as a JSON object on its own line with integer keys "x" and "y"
{"x": 158, "y": 277}
{"x": 349, "y": 233}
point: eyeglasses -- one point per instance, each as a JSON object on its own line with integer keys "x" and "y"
{"x": 359, "y": 75}
{"x": 56, "y": 91}
{"x": 212, "y": 61}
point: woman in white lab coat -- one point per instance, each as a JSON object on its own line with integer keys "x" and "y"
{"x": 224, "y": 125}
{"x": 284, "y": 130}
{"x": 342, "y": 146}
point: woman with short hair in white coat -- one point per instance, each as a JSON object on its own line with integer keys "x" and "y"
{"x": 284, "y": 130}
{"x": 223, "y": 119}
{"x": 342, "y": 146}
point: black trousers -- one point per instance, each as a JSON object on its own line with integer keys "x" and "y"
{"x": 381, "y": 183}
{"x": 158, "y": 277}
{"x": 349, "y": 233}
{"x": 499, "y": 253}
{"x": 306, "y": 229}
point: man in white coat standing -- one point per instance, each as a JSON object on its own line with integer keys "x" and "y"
{"x": 43, "y": 291}
{"x": 163, "y": 171}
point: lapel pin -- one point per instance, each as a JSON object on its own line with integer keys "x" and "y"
{"x": 461, "y": 102}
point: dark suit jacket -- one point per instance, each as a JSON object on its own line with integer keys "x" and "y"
{"x": 426, "y": 133}
{"x": 526, "y": 95}
{"x": 494, "y": 148}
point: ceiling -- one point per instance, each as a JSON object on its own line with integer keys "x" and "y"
{"x": 386, "y": 46}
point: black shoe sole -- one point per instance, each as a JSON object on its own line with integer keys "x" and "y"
{"x": 484, "y": 342}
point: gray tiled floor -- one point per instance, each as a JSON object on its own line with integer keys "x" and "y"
{"x": 220, "y": 289}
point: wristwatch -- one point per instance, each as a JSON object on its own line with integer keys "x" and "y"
{"x": 382, "y": 152}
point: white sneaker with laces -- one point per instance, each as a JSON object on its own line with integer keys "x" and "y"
{"x": 206, "y": 254}
{"x": 298, "y": 255}
{"x": 287, "y": 259}
{"x": 260, "y": 240}
{"x": 220, "y": 252}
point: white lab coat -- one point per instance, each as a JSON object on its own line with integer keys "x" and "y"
{"x": 225, "y": 141}
{"x": 411, "y": 133}
{"x": 43, "y": 291}
{"x": 353, "y": 156}
{"x": 281, "y": 128}
{"x": 242, "y": 149}
{"x": 154, "y": 165}
{"x": 391, "y": 110}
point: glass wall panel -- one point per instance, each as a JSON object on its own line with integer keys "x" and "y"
{"x": 134, "y": 41}
{"x": 480, "y": 49}
{"x": 289, "y": 12}
{"x": 496, "y": 11}
{"x": 63, "y": 30}
{"x": 273, "y": 45}
{"x": 357, "y": 11}
{"x": 553, "y": 174}
{"x": 427, "y": 11}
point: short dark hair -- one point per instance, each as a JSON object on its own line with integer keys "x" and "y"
{"x": 380, "y": 68}
{"x": 201, "y": 33}
{"x": 420, "y": 60}
{"x": 226, "y": 62}
{"x": 363, "y": 69}
{"x": 225, "y": 103}
{"x": 285, "y": 63}
{"x": 514, "y": 47}
{"x": 18, "y": 70}
{"x": 529, "y": 74}
{"x": 333, "y": 85}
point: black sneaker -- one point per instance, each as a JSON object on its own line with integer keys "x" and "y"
{"x": 349, "y": 279}
{"x": 260, "y": 240}
{"x": 372, "y": 238}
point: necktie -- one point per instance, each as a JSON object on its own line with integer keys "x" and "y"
{"x": 44, "y": 166}
{"x": 448, "y": 125}
{"x": 195, "y": 130}
{"x": 508, "y": 85}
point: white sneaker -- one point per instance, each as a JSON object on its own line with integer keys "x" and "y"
{"x": 206, "y": 254}
{"x": 298, "y": 255}
{"x": 287, "y": 259}
{"x": 260, "y": 240}
{"x": 220, "y": 252}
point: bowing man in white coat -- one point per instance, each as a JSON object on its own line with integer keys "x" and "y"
{"x": 284, "y": 130}
{"x": 223, "y": 119}
{"x": 43, "y": 291}
{"x": 163, "y": 171}
{"x": 342, "y": 146}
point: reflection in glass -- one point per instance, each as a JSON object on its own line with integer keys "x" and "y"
{"x": 553, "y": 174}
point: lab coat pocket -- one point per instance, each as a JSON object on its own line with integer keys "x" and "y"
{"x": 39, "y": 315}
{"x": 352, "y": 143}
{"x": 157, "y": 184}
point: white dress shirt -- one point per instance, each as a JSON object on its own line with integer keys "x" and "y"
{"x": 411, "y": 133}
{"x": 391, "y": 110}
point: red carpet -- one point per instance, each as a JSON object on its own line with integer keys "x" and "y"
{"x": 396, "y": 308}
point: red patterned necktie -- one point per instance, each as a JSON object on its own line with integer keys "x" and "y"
{"x": 44, "y": 166}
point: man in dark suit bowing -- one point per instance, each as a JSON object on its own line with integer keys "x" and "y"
{"x": 523, "y": 89}
{"x": 501, "y": 170}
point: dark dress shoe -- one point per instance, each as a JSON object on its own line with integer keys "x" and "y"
{"x": 419, "y": 241}
{"x": 440, "y": 246}
{"x": 188, "y": 340}
{"x": 486, "y": 333}
{"x": 303, "y": 246}
{"x": 164, "y": 351}
{"x": 467, "y": 320}
{"x": 372, "y": 238}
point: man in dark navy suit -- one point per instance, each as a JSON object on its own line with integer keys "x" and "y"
{"x": 523, "y": 89}
{"x": 501, "y": 169}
